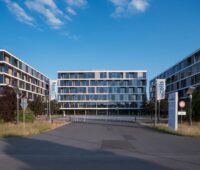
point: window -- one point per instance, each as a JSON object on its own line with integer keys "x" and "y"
{"x": 115, "y": 75}
{"x": 103, "y": 75}
{"x": 131, "y": 90}
{"x": 3, "y": 68}
{"x": 197, "y": 78}
{"x": 197, "y": 57}
{"x": 1, "y": 79}
{"x": 91, "y": 90}
{"x": 1, "y": 56}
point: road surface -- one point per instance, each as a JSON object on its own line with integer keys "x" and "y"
{"x": 87, "y": 146}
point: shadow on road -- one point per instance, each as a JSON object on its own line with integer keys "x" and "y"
{"x": 29, "y": 153}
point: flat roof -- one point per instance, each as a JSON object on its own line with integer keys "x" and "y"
{"x": 3, "y": 50}
{"x": 86, "y": 71}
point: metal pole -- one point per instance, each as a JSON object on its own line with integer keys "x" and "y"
{"x": 158, "y": 111}
{"x": 96, "y": 108}
{"x": 47, "y": 110}
{"x": 190, "y": 109}
{"x": 155, "y": 117}
{"x": 50, "y": 110}
{"x": 85, "y": 116}
{"x": 17, "y": 109}
{"x": 74, "y": 115}
{"x": 23, "y": 119}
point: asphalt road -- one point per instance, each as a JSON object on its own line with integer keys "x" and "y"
{"x": 83, "y": 146}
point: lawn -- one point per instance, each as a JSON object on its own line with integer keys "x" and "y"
{"x": 11, "y": 129}
{"x": 183, "y": 129}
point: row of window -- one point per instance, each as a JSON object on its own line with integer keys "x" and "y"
{"x": 191, "y": 81}
{"x": 102, "y": 90}
{"x": 186, "y": 73}
{"x": 13, "y": 61}
{"x": 12, "y": 71}
{"x": 26, "y": 86}
{"x": 113, "y": 97}
{"x": 102, "y": 83}
{"x": 92, "y": 75}
{"x": 116, "y": 106}
{"x": 183, "y": 64}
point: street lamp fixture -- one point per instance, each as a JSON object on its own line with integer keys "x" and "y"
{"x": 190, "y": 92}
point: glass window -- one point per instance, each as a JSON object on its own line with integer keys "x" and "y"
{"x": 93, "y": 83}
{"x": 197, "y": 57}
{"x": 131, "y": 75}
{"x": 91, "y": 90}
{"x": 4, "y": 68}
{"x": 115, "y": 75}
{"x": 1, "y": 79}
{"x": 1, "y": 56}
{"x": 77, "y": 83}
{"x": 103, "y": 75}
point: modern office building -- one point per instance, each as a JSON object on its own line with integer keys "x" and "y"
{"x": 16, "y": 73}
{"x": 180, "y": 77}
{"x": 101, "y": 92}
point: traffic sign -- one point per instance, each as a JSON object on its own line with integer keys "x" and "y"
{"x": 181, "y": 104}
{"x": 24, "y": 103}
{"x": 182, "y": 113}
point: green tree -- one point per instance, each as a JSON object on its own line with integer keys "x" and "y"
{"x": 196, "y": 105}
{"x": 8, "y": 104}
{"x": 149, "y": 107}
{"x": 164, "y": 107}
{"x": 37, "y": 106}
{"x": 55, "y": 108}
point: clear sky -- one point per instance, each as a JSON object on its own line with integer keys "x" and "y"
{"x": 54, "y": 35}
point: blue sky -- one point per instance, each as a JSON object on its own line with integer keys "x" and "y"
{"x": 54, "y": 35}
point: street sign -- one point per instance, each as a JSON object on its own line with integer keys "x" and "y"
{"x": 181, "y": 104}
{"x": 24, "y": 103}
{"x": 182, "y": 113}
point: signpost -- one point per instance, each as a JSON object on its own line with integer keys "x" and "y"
{"x": 181, "y": 104}
{"x": 182, "y": 113}
{"x": 24, "y": 104}
{"x": 173, "y": 111}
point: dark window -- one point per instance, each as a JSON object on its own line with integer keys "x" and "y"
{"x": 1, "y": 79}
{"x": 91, "y": 90}
{"x": 103, "y": 75}
{"x": 1, "y": 56}
{"x": 115, "y": 75}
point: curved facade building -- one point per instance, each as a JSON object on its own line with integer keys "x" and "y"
{"x": 16, "y": 73}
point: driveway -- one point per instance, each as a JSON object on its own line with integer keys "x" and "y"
{"x": 81, "y": 146}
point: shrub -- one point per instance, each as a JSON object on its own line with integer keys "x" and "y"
{"x": 37, "y": 106}
{"x": 29, "y": 115}
{"x": 196, "y": 105}
{"x": 8, "y": 104}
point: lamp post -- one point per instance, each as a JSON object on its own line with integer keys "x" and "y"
{"x": 18, "y": 96}
{"x": 50, "y": 120}
{"x": 190, "y": 92}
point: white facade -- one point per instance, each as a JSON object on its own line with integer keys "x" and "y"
{"x": 16, "y": 73}
{"x": 102, "y": 90}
